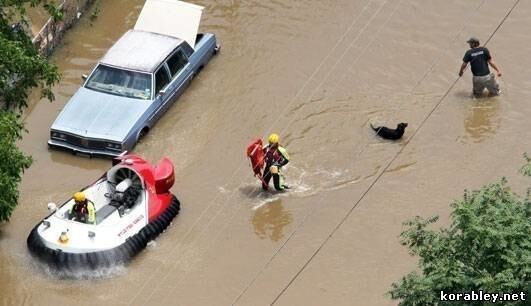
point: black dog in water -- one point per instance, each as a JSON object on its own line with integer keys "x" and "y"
{"x": 388, "y": 133}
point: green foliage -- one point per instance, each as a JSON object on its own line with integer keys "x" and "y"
{"x": 21, "y": 67}
{"x": 487, "y": 247}
{"x": 526, "y": 169}
{"x": 54, "y": 11}
{"x": 96, "y": 11}
{"x": 13, "y": 164}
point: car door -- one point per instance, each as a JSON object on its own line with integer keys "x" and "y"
{"x": 171, "y": 79}
{"x": 180, "y": 71}
{"x": 162, "y": 95}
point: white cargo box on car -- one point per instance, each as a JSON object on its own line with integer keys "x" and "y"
{"x": 172, "y": 18}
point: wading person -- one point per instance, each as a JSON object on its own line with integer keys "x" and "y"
{"x": 480, "y": 60}
{"x": 275, "y": 157}
{"x": 83, "y": 210}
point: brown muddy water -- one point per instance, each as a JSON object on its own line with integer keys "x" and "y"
{"x": 316, "y": 72}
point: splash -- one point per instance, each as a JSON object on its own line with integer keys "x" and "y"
{"x": 223, "y": 190}
{"x": 83, "y": 274}
{"x": 302, "y": 184}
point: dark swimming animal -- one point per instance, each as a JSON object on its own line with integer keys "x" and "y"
{"x": 388, "y": 133}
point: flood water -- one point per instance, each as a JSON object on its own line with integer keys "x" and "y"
{"x": 316, "y": 72}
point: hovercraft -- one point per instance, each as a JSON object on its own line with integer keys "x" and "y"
{"x": 133, "y": 205}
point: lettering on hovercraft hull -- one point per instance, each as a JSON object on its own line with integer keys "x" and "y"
{"x": 130, "y": 225}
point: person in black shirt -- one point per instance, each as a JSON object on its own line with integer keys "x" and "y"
{"x": 480, "y": 59}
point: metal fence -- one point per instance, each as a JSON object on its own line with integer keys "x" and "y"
{"x": 53, "y": 30}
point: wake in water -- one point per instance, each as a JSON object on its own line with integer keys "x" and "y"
{"x": 88, "y": 273}
{"x": 302, "y": 183}
{"x": 83, "y": 274}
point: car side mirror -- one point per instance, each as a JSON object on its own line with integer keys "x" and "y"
{"x": 162, "y": 91}
{"x": 84, "y": 77}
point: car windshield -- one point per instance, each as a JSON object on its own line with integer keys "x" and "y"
{"x": 121, "y": 82}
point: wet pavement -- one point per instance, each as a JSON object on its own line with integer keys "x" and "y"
{"x": 317, "y": 73}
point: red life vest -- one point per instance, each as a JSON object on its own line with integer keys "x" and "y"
{"x": 256, "y": 155}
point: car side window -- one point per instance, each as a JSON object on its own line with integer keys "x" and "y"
{"x": 176, "y": 62}
{"x": 161, "y": 79}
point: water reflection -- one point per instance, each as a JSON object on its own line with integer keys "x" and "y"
{"x": 270, "y": 220}
{"x": 483, "y": 119}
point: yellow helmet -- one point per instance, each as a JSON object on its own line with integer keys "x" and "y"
{"x": 273, "y": 138}
{"x": 79, "y": 196}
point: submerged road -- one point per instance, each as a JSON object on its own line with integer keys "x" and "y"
{"x": 316, "y": 72}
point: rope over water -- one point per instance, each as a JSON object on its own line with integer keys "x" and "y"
{"x": 384, "y": 170}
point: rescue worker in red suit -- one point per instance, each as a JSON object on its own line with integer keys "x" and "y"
{"x": 275, "y": 157}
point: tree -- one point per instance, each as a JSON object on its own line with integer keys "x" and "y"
{"x": 487, "y": 247}
{"x": 14, "y": 162}
{"x": 21, "y": 69}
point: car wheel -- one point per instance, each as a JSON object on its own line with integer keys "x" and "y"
{"x": 142, "y": 134}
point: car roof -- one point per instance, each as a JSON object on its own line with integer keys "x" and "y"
{"x": 140, "y": 50}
